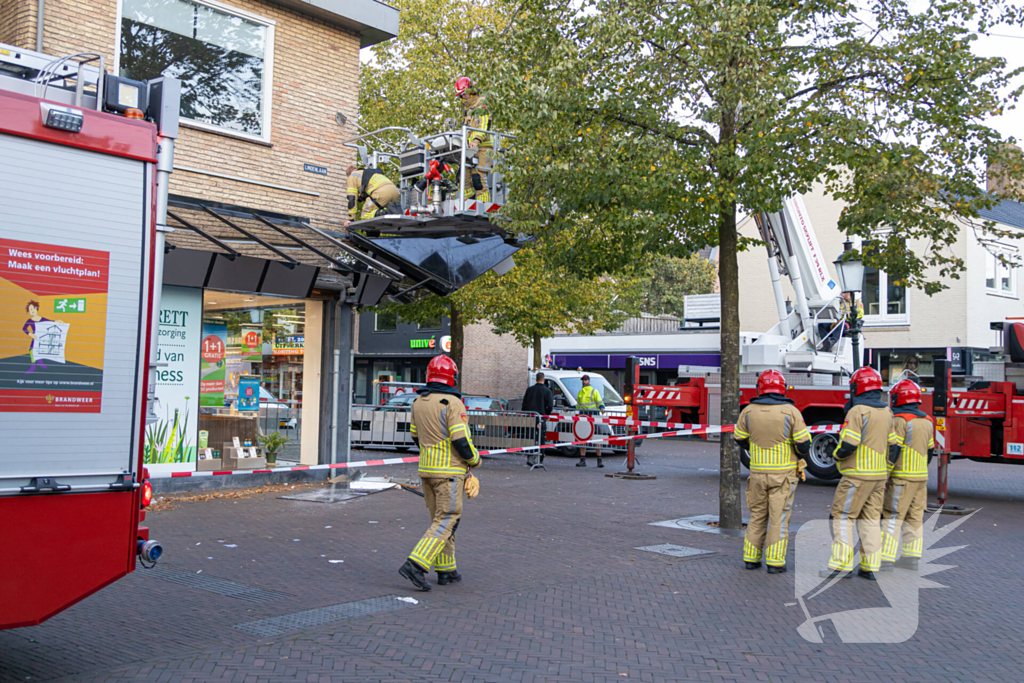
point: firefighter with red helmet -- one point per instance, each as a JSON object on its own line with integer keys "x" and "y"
{"x": 441, "y": 432}
{"x": 475, "y": 115}
{"x": 863, "y": 458}
{"x": 773, "y": 431}
{"x": 906, "y": 492}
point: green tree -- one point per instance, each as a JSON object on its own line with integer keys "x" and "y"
{"x": 409, "y": 82}
{"x": 660, "y": 120}
{"x": 672, "y": 278}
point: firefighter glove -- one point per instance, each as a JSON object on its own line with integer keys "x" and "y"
{"x": 472, "y": 486}
{"x": 894, "y": 453}
{"x": 801, "y": 470}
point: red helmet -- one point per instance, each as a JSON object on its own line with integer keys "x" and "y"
{"x": 771, "y": 382}
{"x": 462, "y": 84}
{"x": 442, "y": 369}
{"x": 865, "y": 379}
{"x": 906, "y": 392}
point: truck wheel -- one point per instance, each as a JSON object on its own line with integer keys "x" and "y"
{"x": 819, "y": 461}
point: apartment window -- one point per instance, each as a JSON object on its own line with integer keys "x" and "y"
{"x": 222, "y": 55}
{"x": 1000, "y": 271}
{"x": 884, "y": 298}
{"x": 385, "y": 321}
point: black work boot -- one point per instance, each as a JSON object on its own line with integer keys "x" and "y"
{"x": 866, "y": 574}
{"x": 444, "y": 578}
{"x": 600, "y": 463}
{"x": 887, "y": 566}
{"x": 911, "y": 563}
{"x": 582, "y": 462}
{"x": 772, "y": 569}
{"x": 414, "y": 573}
{"x": 834, "y": 573}
{"x": 752, "y": 565}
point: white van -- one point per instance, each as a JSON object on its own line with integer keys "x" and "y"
{"x": 566, "y": 384}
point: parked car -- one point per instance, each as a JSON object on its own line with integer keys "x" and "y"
{"x": 272, "y": 408}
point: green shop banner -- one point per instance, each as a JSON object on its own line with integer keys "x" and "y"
{"x": 212, "y": 352}
{"x": 173, "y": 438}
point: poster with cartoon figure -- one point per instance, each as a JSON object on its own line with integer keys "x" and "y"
{"x": 53, "y": 320}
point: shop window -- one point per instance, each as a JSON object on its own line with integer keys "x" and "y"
{"x": 385, "y": 321}
{"x": 222, "y": 55}
{"x": 1000, "y": 271}
{"x": 884, "y": 298}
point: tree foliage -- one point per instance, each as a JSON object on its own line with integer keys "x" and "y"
{"x": 659, "y": 120}
{"x": 409, "y": 82}
{"x": 672, "y": 278}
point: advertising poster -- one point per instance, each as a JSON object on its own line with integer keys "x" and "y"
{"x": 252, "y": 343}
{"x": 289, "y": 345}
{"x": 53, "y": 326}
{"x": 249, "y": 393}
{"x": 212, "y": 370}
{"x": 173, "y": 439}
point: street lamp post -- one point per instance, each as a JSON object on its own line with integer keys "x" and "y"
{"x": 850, "y": 273}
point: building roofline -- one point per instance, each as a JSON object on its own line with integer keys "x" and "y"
{"x": 373, "y": 20}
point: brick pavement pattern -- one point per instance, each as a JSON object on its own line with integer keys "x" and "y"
{"x": 553, "y": 591}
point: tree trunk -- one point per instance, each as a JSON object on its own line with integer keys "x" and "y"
{"x": 458, "y": 337}
{"x": 729, "y": 512}
{"x": 538, "y": 359}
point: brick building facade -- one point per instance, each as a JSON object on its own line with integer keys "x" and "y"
{"x": 315, "y": 74}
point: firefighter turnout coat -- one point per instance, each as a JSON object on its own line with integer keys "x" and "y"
{"x": 373, "y": 190}
{"x": 906, "y": 492}
{"x": 774, "y": 433}
{"x": 441, "y": 429}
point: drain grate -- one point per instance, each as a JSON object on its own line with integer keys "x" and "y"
{"x": 705, "y": 523}
{"x": 275, "y": 626}
{"x": 186, "y": 577}
{"x": 675, "y": 550}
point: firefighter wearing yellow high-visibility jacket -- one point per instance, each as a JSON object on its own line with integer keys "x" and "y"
{"x": 863, "y": 459}
{"x": 475, "y": 115}
{"x": 371, "y": 189}
{"x": 906, "y": 493}
{"x": 772, "y": 430}
{"x": 447, "y": 454}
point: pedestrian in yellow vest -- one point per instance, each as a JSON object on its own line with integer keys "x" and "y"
{"x": 589, "y": 402}
{"x": 906, "y": 493}
{"x": 774, "y": 433}
{"x": 863, "y": 459}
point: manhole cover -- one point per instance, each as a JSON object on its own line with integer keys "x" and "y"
{"x": 275, "y": 626}
{"x": 187, "y": 577}
{"x": 705, "y": 523}
{"x": 675, "y": 550}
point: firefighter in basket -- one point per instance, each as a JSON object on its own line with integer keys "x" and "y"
{"x": 906, "y": 492}
{"x": 863, "y": 457}
{"x": 447, "y": 454}
{"x": 372, "y": 190}
{"x": 772, "y": 430}
{"x": 475, "y": 115}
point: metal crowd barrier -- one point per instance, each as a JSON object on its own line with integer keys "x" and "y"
{"x": 490, "y": 429}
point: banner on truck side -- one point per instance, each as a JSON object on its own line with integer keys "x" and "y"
{"x": 53, "y": 327}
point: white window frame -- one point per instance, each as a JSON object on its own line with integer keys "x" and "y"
{"x": 992, "y": 249}
{"x": 268, "y": 71}
{"x": 885, "y": 319}
{"x": 376, "y": 327}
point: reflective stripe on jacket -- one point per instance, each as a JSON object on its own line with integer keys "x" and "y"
{"x": 588, "y": 398}
{"x": 437, "y": 420}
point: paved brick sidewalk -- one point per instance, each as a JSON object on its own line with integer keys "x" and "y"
{"x": 553, "y": 591}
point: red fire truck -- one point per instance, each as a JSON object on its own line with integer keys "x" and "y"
{"x": 85, "y": 160}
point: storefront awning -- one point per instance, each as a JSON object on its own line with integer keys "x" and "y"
{"x": 223, "y": 246}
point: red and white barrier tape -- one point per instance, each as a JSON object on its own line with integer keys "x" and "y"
{"x": 690, "y": 430}
{"x": 300, "y": 468}
{"x": 628, "y": 421}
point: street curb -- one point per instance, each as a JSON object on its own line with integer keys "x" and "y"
{"x": 183, "y": 484}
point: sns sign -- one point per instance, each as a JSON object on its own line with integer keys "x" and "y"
{"x": 647, "y": 361}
